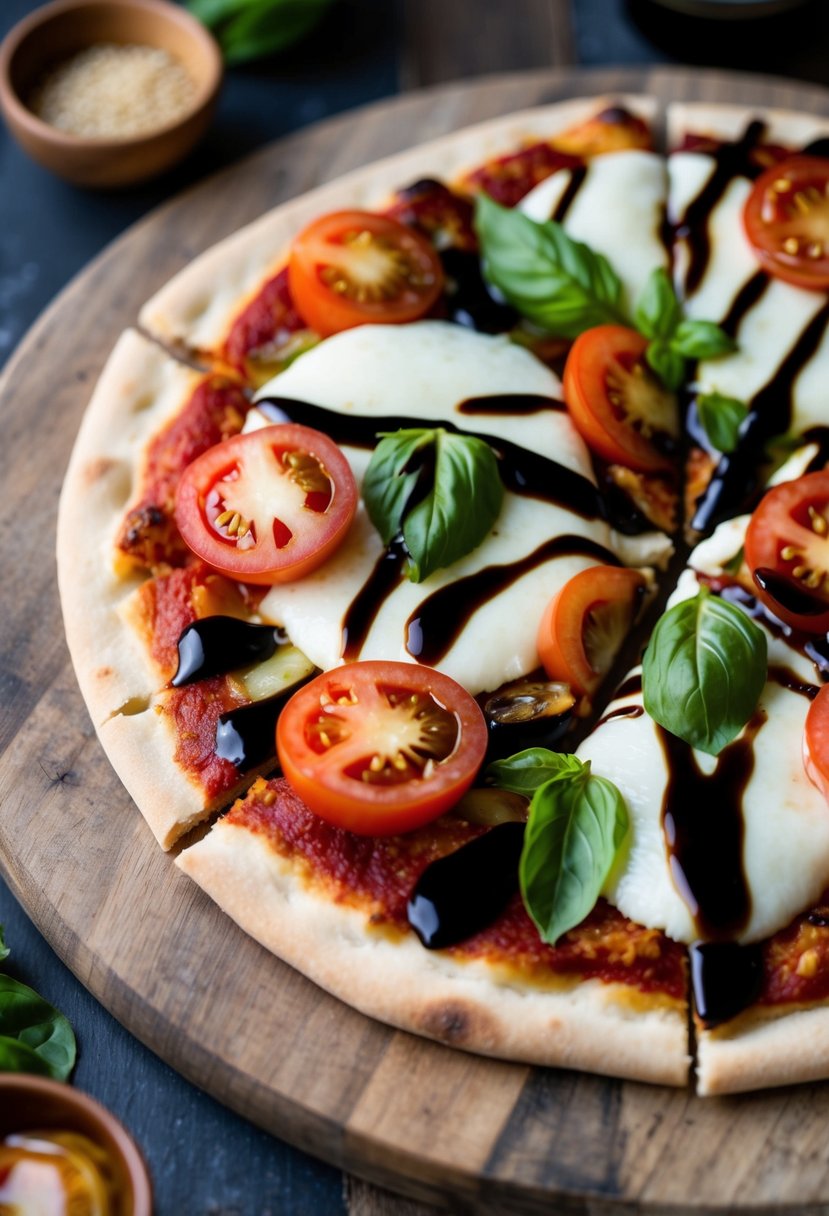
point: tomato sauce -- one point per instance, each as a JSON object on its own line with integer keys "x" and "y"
{"x": 268, "y": 320}
{"x": 214, "y": 412}
{"x": 796, "y": 960}
{"x": 378, "y": 873}
{"x": 508, "y": 178}
{"x": 195, "y": 712}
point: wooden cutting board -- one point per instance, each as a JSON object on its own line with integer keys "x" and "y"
{"x": 409, "y": 1114}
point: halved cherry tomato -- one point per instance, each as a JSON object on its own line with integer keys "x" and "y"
{"x": 787, "y": 551}
{"x": 585, "y": 624}
{"x": 380, "y": 748}
{"x": 268, "y": 506}
{"x": 786, "y": 218}
{"x": 617, "y": 404}
{"x": 816, "y": 742}
{"x": 355, "y": 268}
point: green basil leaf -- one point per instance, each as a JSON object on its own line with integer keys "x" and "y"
{"x": 38, "y": 1026}
{"x": 577, "y": 825}
{"x": 524, "y": 772}
{"x": 457, "y": 487}
{"x": 658, "y": 313}
{"x": 17, "y": 1057}
{"x": 460, "y": 508}
{"x": 703, "y": 671}
{"x": 721, "y": 419}
{"x": 4, "y": 950}
{"x": 701, "y": 340}
{"x": 251, "y": 29}
{"x": 554, "y": 281}
{"x": 391, "y": 477}
{"x": 668, "y": 365}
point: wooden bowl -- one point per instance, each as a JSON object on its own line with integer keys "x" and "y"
{"x": 29, "y": 1103}
{"x": 56, "y": 32}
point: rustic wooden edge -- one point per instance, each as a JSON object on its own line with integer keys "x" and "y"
{"x": 626, "y": 1149}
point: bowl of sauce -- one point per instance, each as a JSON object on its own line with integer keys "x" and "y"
{"x": 62, "y": 1152}
{"x": 107, "y": 93}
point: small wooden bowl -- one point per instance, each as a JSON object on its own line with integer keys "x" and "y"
{"x": 57, "y": 31}
{"x": 29, "y": 1103}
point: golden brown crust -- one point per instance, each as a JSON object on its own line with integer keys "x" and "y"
{"x": 587, "y": 1026}
{"x": 764, "y": 1048}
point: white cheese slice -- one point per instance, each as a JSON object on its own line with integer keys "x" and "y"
{"x": 618, "y": 211}
{"x": 425, "y": 371}
{"x": 772, "y": 326}
{"x": 786, "y": 843}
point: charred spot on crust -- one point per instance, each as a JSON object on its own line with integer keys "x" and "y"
{"x": 458, "y": 1024}
{"x": 103, "y": 673}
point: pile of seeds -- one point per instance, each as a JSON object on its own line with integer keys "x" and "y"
{"x": 112, "y": 91}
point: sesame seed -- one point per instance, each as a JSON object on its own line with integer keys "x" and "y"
{"x": 114, "y": 91}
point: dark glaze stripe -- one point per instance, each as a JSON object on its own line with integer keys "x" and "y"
{"x": 577, "y": 175}
{"x": 435, "y": 625}
{"x": 786, "y": 678}
{"x": 523, "y": 472}
{"x": 751, "y": 292}
{"x": 725, "y": 979}
{"x": 361, "y": 613}
{"x": 631, "y": 685}
{"x": 624, "y": 711}
{"x": 814, "y": 647}
{"x": 507, "y": 405}
{"x": 735, "y": 481}
{"x": 730, "y": 160}
{"x": 247, "y": 736}
{"x": 702, "y": 825}
{"x": 459, "y": 895}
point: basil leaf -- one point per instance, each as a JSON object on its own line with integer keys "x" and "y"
{"x": 17, "y": 1057}
{"x": 37, "y": 1025}
{"x": 704, "y": 670}
{"x": 457, "y": 488}
{"x": 721, "y": 419}
{"x": 577, "y": 825}
{"x": 554, "y": 281}
{"x": 701, "y": 340}
{"x": 524, "y": 772}
{"x": 391, "y": 478}
{"x": 658, "y": 313}
{"x": 668, "y": 365}
{"x": 251, "y": 29}
{"x": 4, "y": 950}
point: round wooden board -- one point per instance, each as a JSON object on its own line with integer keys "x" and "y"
{"x": 404, "y": 1112}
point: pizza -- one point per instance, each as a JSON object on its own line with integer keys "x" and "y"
{"x": 363, "y": 522}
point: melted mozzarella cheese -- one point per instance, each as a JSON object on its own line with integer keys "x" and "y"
{"x": 773, "y": 324}
{"x": 618, "y": 211}
{"x": 786, "y": 842}
{"x": 425, "y": 371}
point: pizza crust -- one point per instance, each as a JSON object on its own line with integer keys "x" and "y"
{"x": 197, "y": 306}
{"x": 591, "y": 1026}
{"x": 759, "y": 1050}
{"x": 730, "y": 121}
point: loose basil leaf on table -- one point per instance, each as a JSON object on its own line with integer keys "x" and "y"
{"x": 577, "y": 825}
{"x": 524, "y": 772}
{"x": 34, "y": 1036}
{"x": 703, "y": 671}
{"x": 251, "y": 29}
{"x": 556, "y": 282}
{"x": 442, "y": 490}
{"x": 721, "y": 419}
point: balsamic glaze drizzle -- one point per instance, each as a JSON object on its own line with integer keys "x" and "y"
{"x": 247, "y": 736}
{"x": 702, "y": 825}
{"x": 437, "y": 622}
{"x": 388, "y": 572}
{"x": 577, "y": 176}
{"x": 216, "y": 645}
{"x": 464, "y": 892}
{"x": 725, "y": 979}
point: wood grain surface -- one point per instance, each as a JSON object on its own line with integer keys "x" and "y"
{"x": 411, "y": 1115}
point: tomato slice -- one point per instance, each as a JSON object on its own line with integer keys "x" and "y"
{"x": 355, "y": 268}
{"x": 786, "y": 218}
{"x": 787, "y": 551}
{"x": 585, "y": 624}
{"x": 816, "y": 742}
{"x": 618, "y": 406}
{"x": 268, "y": 506}
{"x": 380, "y": 748}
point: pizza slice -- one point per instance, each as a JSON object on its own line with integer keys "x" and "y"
{"x": 747, "y": 204}
{"x": 234, "y": 304}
